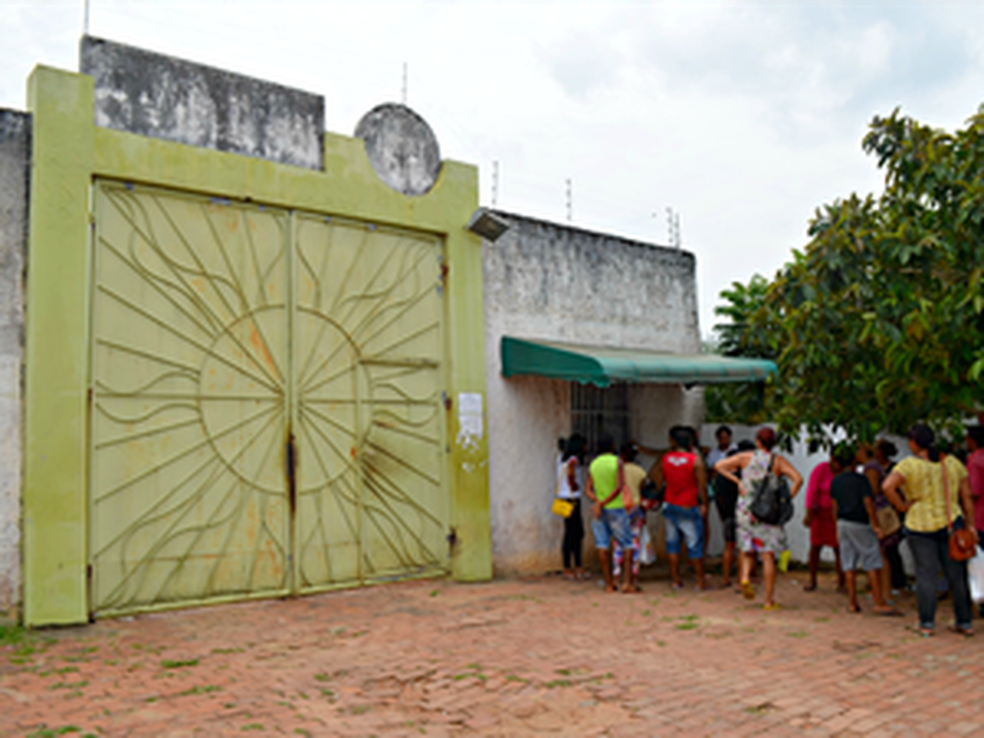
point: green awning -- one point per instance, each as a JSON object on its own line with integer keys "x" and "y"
{"x": 603, "y": 366}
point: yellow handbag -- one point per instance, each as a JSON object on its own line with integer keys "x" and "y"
{"x": 562, "y": 507}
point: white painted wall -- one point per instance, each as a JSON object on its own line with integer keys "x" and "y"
{"x": 552, "y": 282}
{"x": 526, "y": 417}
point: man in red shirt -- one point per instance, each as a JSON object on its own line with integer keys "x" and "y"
{"x": 684, "y": 505}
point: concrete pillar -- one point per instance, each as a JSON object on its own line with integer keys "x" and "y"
{"x": 15, "y": 146}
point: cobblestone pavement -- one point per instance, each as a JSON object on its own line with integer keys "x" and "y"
{"x": 502, "y": 658}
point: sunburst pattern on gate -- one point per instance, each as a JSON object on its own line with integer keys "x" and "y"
{"x": 221, "y": 330}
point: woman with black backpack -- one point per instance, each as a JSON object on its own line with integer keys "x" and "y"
{"x": 754, "y": 536}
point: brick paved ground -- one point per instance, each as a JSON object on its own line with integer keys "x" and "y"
{"x": 504, "y": 658}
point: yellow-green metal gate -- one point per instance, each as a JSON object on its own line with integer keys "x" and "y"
{"x": 266, "y": 411}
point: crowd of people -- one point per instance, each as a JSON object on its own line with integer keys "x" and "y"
{"x": 859, "y": 503}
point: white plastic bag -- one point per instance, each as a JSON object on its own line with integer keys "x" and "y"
{"x": 975, "y": 576}
{"x": 647, "y": 554}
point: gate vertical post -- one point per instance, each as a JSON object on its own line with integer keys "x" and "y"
{"x": 471, "y": 543}
{"x": 57, "y": 348}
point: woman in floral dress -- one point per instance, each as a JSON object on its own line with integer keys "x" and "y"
{"x": 755, "y": 537}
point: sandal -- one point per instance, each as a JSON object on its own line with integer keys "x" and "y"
{"x": 771, "y": 607}
{"x": 747, "y": 590}
{"x": 965, "y": 632}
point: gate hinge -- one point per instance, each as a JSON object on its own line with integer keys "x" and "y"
{"x": 443, "y": 280}
{"x": 446, "y": 401}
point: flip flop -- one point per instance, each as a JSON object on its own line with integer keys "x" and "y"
{"x": 747, "y": 590}
{"x": 772, "y": 608}
{"x": 965, "y": 632}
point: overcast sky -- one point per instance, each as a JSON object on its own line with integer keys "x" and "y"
{"x": 742, "y": 116}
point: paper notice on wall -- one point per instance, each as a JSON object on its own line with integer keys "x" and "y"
{"x": 469, "y": 419}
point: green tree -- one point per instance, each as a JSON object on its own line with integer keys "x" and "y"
{"x": 744, "y": 310}
{"x": 879, "y": 320}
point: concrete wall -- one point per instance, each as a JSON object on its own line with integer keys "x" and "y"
{"x": 545, "y": 280}
{"x": 15, "y": 147}
{"x": 552, "y": 282}
{"x": 164, "y": 97}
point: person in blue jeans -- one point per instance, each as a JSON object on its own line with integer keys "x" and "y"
{"x": 684, "y": 504}
{"x": 609, "y": 519}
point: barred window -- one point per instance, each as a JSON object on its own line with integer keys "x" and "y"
{"x": 595, "y": 411}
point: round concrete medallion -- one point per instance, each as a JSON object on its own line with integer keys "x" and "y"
{"x": 401, "y": 147}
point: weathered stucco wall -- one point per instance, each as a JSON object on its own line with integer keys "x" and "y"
{"x": 526, "y": 417}
{"x": 177, "y": 100}
{"x": 551, "y": 282}
{"x": 15, "y": 146}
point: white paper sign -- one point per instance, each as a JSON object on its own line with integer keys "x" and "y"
{"x": 469, "y": 403}
{"x": 469, "y": 419}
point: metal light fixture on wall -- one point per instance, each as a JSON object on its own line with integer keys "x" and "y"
{"x": 487, "y": 224}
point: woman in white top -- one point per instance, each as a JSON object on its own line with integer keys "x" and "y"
{"x": 569, "y": 487}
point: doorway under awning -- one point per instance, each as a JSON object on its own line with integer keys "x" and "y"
{"x": 603, "y": 366}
